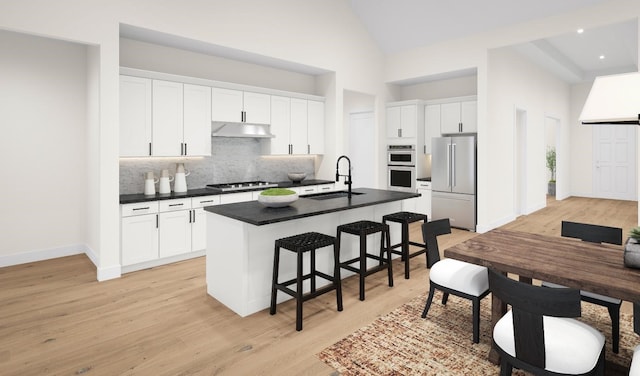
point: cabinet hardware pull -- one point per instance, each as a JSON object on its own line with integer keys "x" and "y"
{"x": 308, "y": 149}
{"x": 206, "y": 201}
{"x": 145, "y": 208}
{"x": 185, "y": 148}
{"x": 425, "y": 149}
{"x": 157, "y": 224}
{"x": 149, "y": 148}
{"x": 194, "y": 216}
{"x": 180, "y": 204}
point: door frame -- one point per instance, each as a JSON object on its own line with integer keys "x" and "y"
{"x": 520, "y": 181}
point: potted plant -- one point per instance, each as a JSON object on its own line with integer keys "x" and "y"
{"x": 277, "y": 197}
{"x": 632, "y": 249}
{"x": 551, "y": 165}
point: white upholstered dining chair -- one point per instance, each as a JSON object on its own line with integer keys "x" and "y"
{"x": 451, "y": 276}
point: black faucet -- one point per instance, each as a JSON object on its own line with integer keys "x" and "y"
{"x": 348, "y": 180}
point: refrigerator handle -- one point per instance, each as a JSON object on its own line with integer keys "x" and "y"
{"x": 449, "y": 165}
{"x": 453, "y": 165}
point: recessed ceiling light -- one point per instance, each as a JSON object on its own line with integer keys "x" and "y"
{"x": 580, "y": 31}
{"x": 601, "y": 57}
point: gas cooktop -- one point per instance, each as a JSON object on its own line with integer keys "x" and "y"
{"x": 242, "y": 186}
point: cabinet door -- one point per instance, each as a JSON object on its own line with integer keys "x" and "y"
{"x": 299, "y": 126}
{"x": 199, "y": 230}
{"x": 197, "y": 120}
{"x": 232, "y": 198}
{"x": 450, "y": 118}
{"x": 139, "y": 239}
{"x": 431, "y": 125}
{"x": 167, "y": 118}
{"x": 469, "y": 116}
{"x": 315, "y": 127}
{"x": 423, "y": 204}
{"x": 408, "y": 121}
{"x": 135, "y": 116}
{"x": 393, "y": 122}
{"x": 175, "y": 233}
{"x": 280, "y": 124}
{"x": 226, "y": 105}
{"x": 257, "y": 108}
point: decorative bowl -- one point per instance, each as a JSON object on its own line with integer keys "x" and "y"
{"x": 277, "y": 197}
{"x": 297, "y": 177}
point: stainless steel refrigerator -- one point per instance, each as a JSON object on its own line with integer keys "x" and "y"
{"x": 453, "y": 180}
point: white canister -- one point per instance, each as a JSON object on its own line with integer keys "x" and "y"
{"x": 150, "y": 184}
{"x": 165, "y": 178}
{"x": 180, "y": 182}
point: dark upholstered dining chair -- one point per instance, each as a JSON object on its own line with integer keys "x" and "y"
{"x": 597, "y": 234}
{"x": 451, "y": 276}
{"x": 540, "y": 335}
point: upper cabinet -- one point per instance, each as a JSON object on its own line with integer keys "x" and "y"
{"x": 164, "y": 118}
{"x": 237, "y": 106}
{"x": 431, "y": 125}
{"x": 298, "y": 126}
{"x": 135, "y": 116}
{"x": 459, "y": 117}
{"x": 404, "y": 120}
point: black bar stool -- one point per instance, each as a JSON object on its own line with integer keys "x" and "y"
{"x": 307, "y": 242}
{"x": 362, "y": 229}
{"x": 405, "y": 218}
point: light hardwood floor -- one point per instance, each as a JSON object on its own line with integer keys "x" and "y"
{"x": 55, "y": 319}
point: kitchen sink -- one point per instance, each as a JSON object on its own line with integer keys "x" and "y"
{"x": 331, "y": 195}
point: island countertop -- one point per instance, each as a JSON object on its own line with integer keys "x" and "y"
{"x": 255, "y": 213}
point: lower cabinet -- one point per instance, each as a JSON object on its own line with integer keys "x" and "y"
{"x": 423, "y": 203}
{"x": 156, "y": 232}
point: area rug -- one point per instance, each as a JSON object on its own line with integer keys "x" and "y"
{"x": 402, "y": 343}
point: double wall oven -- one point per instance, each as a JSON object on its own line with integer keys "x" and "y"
{"x": 401, "y": 168}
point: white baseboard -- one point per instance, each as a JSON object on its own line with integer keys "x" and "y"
{"x": 103, "y": 273}
{"x": 42, "y": 254}
{"x": 481, "y": 228}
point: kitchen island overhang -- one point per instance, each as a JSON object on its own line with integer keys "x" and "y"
{"x": 241, "y": 237}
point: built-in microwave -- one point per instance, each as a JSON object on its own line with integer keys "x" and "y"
{"x": 401, "y": 155}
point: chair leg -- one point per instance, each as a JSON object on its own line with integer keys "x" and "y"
{"x": 405, "y": 248}
{"x": 445, "y": 297}
{"x": 385, "y": 234}
{"x": 614, "y": 313}
{"x": 429, "y": 300}
{"x": 299, "y": 294}
{"x": 274, "y": 281}
{"x": 505, "y": 368}
{"x": 336, "y": 275}
{"x": 363, "y": 263}
{"x": 476, "y": 320}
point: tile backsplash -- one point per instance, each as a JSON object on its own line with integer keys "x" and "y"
{"x": 231, "y": 160}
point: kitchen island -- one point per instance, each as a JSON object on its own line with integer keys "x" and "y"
{"x": 241, "y": 236}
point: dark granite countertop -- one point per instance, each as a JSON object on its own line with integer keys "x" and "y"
{"x": 424, "y": 179}
{"x": 256, "y": 214}
{"x": 140, "y": 197}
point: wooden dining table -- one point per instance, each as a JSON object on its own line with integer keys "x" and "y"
{"x": 597, "y": 268}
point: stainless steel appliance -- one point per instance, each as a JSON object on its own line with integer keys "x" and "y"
{"x": 242, "y": 186}
{"x": 453, "y": 178}
{"x": 401, "y": 168}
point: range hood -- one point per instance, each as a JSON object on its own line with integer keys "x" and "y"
{"x": 230, "y": 129}
{"x": 613, "y": 99}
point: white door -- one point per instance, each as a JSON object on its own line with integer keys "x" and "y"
{"x": 409, "y": 120}
{"x": 614, "y": 162}
{"x": 393, "y": 122}
{"x": 175, "y": 233}
{"x": 362, "y": 149}
{"x": 315, "y": 127}
{"x": 299, "y": 119}
{"x": 135, "y": 116}
{"x": 257, "y": 108}
{"x": 280, "y": 124}
{"x": 226, "y": 105}
{"x": 450, "y": 118}
{"x": 139, "y": 239}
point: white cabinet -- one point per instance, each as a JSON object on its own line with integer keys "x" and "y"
{"x": 174, "y": 225}
{"x": 237, "y": 106}
{"x": 164, "y": 118}
{"x": 197, "y": 120}
{"x": 327, "y": 187}
{"x": 298, "y": 126}
{"x": 155, "y": 232}
{"x": 167, "y": 118}
{"x": 403, "y": 120}
{"x": 423, "y": 203}
{"x": 139, "y": 232}
{"x": 315, "y": 127}
{"x": 199, "y": 220}
{"x": 135, "y": 116}
{"x": 431, "y": 125}
{"x": 459, "y": 117}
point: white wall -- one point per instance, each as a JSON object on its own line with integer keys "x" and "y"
{"x": 43, "y": 116}
{"x": 581, "y": 155}
{"x": 540, "y": 94}
{"x": 448, "y": 88}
